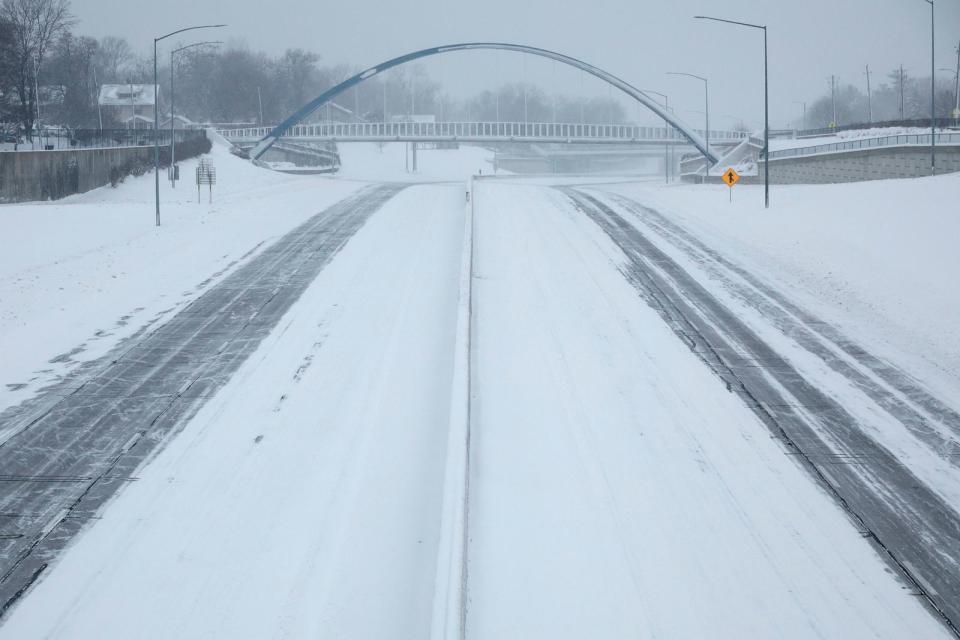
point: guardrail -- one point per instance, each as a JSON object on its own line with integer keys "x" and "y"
{"x": 921, "y": 123}
{"x": 107, "y": 138}
{"x": 901, "y": 140}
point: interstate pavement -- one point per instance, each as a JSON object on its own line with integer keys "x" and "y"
{"x": 905, "y": 517}
{"x": 70, "y": 449}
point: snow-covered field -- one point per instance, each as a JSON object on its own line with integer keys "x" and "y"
{"x": 616, "y": 488}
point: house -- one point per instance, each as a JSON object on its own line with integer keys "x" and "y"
{"x": 131, "y": 105}
{"x": 179, "y": 122}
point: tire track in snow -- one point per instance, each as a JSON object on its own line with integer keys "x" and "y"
{"x": 908, "y": 523}
{"x": 73, "y": 448}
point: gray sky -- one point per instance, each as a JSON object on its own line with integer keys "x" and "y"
{"x": 637, "y": 40}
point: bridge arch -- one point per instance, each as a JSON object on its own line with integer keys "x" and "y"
{"x": 267, "y": 141}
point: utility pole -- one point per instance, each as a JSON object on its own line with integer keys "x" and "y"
{"x": 99, "y": 115}
{"x": 804, "y": 113}
{"x": 833, "y": 99}
{"x": 956, "y": 108}
{"x": 933, "y": 95}
{"x": 260, "y": 105}
{"x": 901, "y": 92}
{"x": 869, "y": 98}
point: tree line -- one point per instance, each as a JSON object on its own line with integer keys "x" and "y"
{"x": 47, "y": 69}
{"x": 897, "y": 96}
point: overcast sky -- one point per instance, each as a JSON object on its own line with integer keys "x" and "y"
{"x": 638, "y": 40}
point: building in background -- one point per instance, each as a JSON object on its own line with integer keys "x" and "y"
{"x": 127, "y": 105}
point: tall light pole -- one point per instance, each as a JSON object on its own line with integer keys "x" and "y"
{"x": 766, "y": 104}
{"x": 804, "y": 112}
{"x": 956, "y": 108}
{"x": 156, "y": 111}
{"x": 933, "y": 95}
{"x": 833, "y": 99}
{"x": 173, "y": 140}
{"x": 869, "y": 97}
{"x": 666, "y": 127}
{"x": 706, "y": 113}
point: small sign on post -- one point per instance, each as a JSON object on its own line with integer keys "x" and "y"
{"x": 731, "y": 177}
{"x": 206, "y": 174}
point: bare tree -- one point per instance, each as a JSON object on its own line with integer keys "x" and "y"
{"x": 114, "y": 58}
{"x": 34, "y": 25}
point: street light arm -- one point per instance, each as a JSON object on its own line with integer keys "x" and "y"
{"x": 689, "y": 75}
{"x": 196, "y": 44}
{"x": 203, "y": 26}
{"x": 742, "y": 24}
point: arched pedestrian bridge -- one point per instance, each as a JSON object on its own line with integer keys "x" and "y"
{"x": 479, "y": 132}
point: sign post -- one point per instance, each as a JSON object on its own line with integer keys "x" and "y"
{"x": 206, "y": 174}
{"x": 731, "y": 177}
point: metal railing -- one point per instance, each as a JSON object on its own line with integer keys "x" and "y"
{"x": 64, "y": 139}
{"x": 901, "y": 140}
{"x": 921, "y": 123}
{"x": 494, "y": 131}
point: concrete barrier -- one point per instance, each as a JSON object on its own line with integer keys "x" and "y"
{"x": 866, "y": 164}
{"x": 880, "y": 163}
{"x": 27, "y": 176}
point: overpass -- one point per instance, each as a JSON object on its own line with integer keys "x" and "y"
{"x": 479, "y": 132}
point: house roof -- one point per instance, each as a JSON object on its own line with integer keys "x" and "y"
{"x": 124, "y": 95}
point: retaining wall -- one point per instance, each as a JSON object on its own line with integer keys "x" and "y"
{"x": 27, "y": 176}
{"x": 852, "y": 166}
{"x": 861, "y": 165}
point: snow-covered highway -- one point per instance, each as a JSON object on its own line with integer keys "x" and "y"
{"x": 661, "y": 443}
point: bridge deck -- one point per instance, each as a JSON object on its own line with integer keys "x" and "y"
{"x": 543, "y": 132}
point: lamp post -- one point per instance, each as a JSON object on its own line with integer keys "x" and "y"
{"x": 156, "y": 111}
{"x": 956, "y": 76}
{"x": 804, "y": 112}
{"x": 173, "y": 140}
{"x": 666, "y": 146}
{"x": 766, "y": 104}
{"x": 933, "y": 95}
{"x": 706, "y": 106}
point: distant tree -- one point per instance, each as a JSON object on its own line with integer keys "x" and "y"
{"x": 34, "y": 24}
{"x": 114, "y": 60}
{"x": 71, "y": 67}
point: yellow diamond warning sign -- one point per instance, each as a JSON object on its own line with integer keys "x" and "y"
{"x": 731, "y": 177}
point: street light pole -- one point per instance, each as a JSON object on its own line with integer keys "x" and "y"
{"x": 156, "y": 112}
{"x": 706, "y": 112}
{"x": 804, "y": 112}
{"x": 869, "y": 97}
{"x": 933, "y": 95}
{"x": 173, "y": 140}
{"x": 666, "y": 145}
{"x": 766, "y": 104}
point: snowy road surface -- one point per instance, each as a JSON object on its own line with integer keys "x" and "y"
{"x": 660, "y": 446}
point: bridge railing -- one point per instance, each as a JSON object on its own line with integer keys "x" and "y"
{"x": 491, "y": 130}
{"x": 856, "y": 144}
